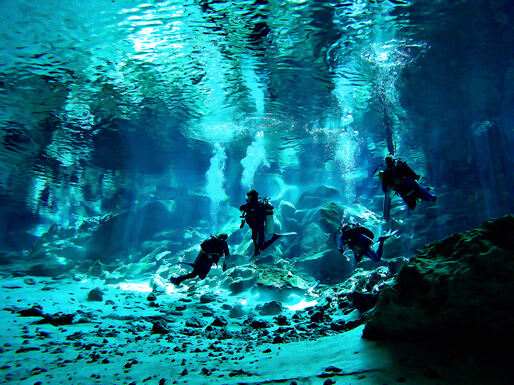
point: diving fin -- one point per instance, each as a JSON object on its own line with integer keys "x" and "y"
{"x": 187, "y": 263}
{"x": 287, "y": 234}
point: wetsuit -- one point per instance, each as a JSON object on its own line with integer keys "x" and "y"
{"x": 403, "y": 180}
{"x": 359, "y": 239}
{"x": 254, "y": 213}
{"x": 211, "y": 251}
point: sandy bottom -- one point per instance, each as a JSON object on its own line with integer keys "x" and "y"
{"x": 111, "y": 342}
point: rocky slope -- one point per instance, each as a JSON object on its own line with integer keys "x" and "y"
{"x": 459, "y": 287}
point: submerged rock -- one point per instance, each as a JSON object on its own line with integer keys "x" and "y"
{"x": 453, "y": 288}
{"x": 331, "y": 215}
{"x": 95, "y": 295}
{"x": 327, "y": 266}
{"x": 34, "y": 311}
{"x": 207, "y": 298}
{"x": 270, "y": 308}
{"x": 317, "y": 197}
{"x": 237, "y": 311}
{"x": 363, "y": 301}
{"x": 195, "y": 322}
{"x": 159, "y": 326}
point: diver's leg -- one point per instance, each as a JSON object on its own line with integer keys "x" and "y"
{"x": 268, "y": 243}
{"x": 411, "y": 201}
{"x": 255, "y": 239}
{"x": 259, "y": 245}
{"x": 424, "y": 194}
{"x": 203, "y": 269}
{"x": 178, "y": 280}
{"x": 407, "y": 189}
{"x": 372, "y": 255}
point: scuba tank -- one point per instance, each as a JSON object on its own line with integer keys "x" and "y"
{"x": 269, "y": 225}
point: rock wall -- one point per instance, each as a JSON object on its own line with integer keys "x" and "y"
{"x": 459, "y": 287}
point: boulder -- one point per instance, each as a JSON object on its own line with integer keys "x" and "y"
{"x": 327, "y": 266}
{"x": 159, "y": 326}
{"x": 259, "y": 324}
{"x": 317, "y": 197}
{"x": 270, "y": 308}
{"x": 239, "y": 285}
{"x": 237, "y": 311}
{"x": 313, "y": 238}
{"x": 289, "y": 216}
{"x": 331, "y": 215}
{"x": 195, "y": 322}
{"x": 207, "y": 298}
{"x": 219, "y": 321}
{"x": 454, "y": 288}
{"x": 95, "y": 295}
{"x": 279, "y": 280}
{"x": 363, "y": 301}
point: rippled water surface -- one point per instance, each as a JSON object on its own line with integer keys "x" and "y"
{"x": 100, "y": 97}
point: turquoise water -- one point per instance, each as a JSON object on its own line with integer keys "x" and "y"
{"x": 111, "y": 105}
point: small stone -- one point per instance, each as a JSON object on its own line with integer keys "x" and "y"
{"x": 317, "y": 317}
{"x": 29, "y": 281}
{"x": 34, "y": 311}
{"x": 206, "y": 372}
{"x": 257, "y": 324}
{"x": 162, "y": 381}
{"x": 237, "y": 311}
{"x": 329, "y": 381}
{"x": 219, "y": 321}
{"x": 207, "y": 298}
{"x": 278, "y": 340}
{"x": 95, "y": 295}
{"x": 195, "y": 322}
{"x": 159, "y": 327}
{"x": 270, "y": 308}
{"x": 151, "y": 297}
{"x": 281, "y": 320}
{"x": 184, "y": 372}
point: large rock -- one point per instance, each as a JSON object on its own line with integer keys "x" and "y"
{"x": 458, "y": 287}
{"x": 289, "y": 217}
{"x": 327, "y": 266}
{"x": 331, "y": 215}
{"x": 272, "y": 279}
{"x": 317, "y": 197}
{"x": 313, "y": 238}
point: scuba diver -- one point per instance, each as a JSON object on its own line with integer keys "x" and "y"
{"x": 400, "y": 178}
{"x": 258, "y": 213}
{"x": 359, "y": 239}
{"x": 210, "y": 253}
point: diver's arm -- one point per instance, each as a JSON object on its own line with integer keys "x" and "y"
{"x": 242, "y": 208}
